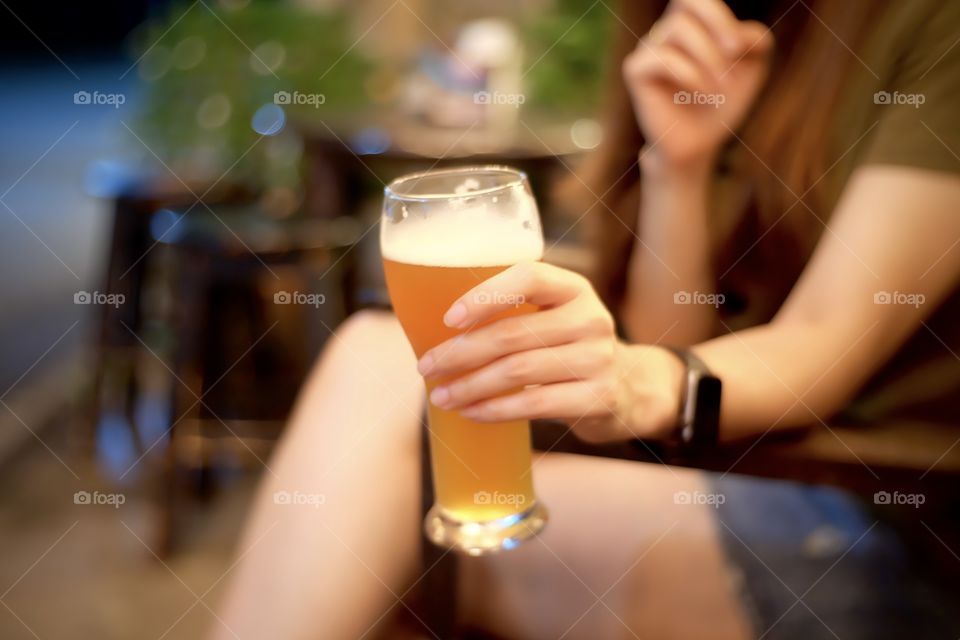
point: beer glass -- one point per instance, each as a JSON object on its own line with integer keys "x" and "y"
{"x": 443, "y": 232}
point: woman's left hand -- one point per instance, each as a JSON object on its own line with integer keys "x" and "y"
{"x": 565, "y": 359}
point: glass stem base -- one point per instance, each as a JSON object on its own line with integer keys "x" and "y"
{"x": 482, "y": 538}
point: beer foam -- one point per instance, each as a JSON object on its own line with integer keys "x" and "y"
{"x": 466, "y": 235}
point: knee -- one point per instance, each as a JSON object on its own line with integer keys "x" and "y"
{"x": 372, "y": 331}
{"x": 370, "y": 346}
{"x": 370, "y": 320}
{"x": 368, "y": 370}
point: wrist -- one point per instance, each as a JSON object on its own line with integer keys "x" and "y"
{"x": 678, "y": 172}
{"x": 650, "y": 388}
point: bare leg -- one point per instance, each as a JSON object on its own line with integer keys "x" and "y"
{"x": 620, "y": 558}
{"x": 332, "y": 568}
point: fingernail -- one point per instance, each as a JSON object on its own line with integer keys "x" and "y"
{"x": 425, "y": 364}
{"x": 456, "y": 315}
{"x": 440, "y": 396}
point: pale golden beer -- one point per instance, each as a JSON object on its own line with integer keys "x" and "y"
{"x": 443, "y": 233}
{"x": 481, "y": 471}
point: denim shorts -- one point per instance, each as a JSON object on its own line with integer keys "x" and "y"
{"x": 815, "y": 562}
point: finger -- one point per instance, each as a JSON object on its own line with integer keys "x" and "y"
{"x": 688, "y": 34}
{"x": 757, "y": 36}
{"x": 483, "y": 345}
{"x": 526, "y": 283}
{"x": 575, "y": 361}
{"x": 760, "y": 41}
{"x": 562, "y": 401}
{"x": 718, "y": 19}
{"x": 667, "y": 63}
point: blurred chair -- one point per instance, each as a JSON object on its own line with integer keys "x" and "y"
{"x": 134, "y": 196}
{"x": 251, "y": 301}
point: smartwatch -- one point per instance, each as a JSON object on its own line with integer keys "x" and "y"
{"x": 698, "y": 424}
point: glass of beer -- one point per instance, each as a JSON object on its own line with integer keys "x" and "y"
{"x": 442, "y": 233}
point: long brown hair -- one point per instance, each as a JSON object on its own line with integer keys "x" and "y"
{"x": 786, "y": 130}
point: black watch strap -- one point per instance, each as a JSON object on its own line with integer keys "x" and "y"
{"x": 698, "y": 424}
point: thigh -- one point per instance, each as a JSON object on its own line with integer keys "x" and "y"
{"x": 334, "y": 533}
{"x": 625, "y": 554}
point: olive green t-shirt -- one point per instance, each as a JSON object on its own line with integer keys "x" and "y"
{"x": 899, "y": 106}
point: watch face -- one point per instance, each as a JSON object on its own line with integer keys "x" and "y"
{"x": 706, "y": 421}
{"x": 700, "y": 408}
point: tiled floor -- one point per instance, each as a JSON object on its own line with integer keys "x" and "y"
{"x": 86, "y": 571}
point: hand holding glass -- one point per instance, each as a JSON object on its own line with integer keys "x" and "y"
{"x": 442, "y": 233}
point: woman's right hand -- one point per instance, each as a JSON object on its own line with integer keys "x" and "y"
{"x": 692, "y": 79}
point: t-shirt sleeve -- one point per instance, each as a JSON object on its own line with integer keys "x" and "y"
{"x": 919, "y": 108}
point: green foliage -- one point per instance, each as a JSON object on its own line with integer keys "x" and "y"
{"x": 196, "y": 59}
{"x": 571, "y": 42}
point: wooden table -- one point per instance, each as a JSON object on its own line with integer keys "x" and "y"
{"x": 341, "y": 164}
{"x": 909, "y": 457}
